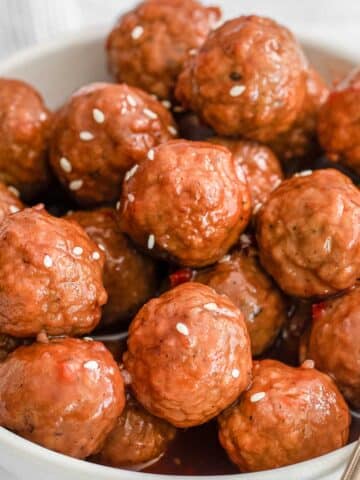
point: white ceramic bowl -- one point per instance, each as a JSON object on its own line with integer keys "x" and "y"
{"x": 57, "y": 69}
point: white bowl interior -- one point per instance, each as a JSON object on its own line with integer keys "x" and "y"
{"x": 58, "y": 69}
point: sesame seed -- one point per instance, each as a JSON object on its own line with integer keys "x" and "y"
{"x": 131, "y": 197}
{"x": 91, "y": 365}
{"x": 131, "y": 101}
{"x": 42, "y": 116}
{"x": 308, "y": 364}
{"x": 151, "y": 154}
{"x": 77, "y": 251}
{"x": 257, "y": 208}
{"x": 14, "y": 209}
{"x": 172, "y": 130}
{"x": 118, "y": 205}
{"x": 76, "y": 185}
{"x": 130, "y": 173}
{"x": 88, "y": 339}
{"x": 235, "y": 373}
{"x": 150, "y": 114}
{"x": 137, "y": 32}
{"x": 304, "y": 173}
{"x": 182, "y": 328}
{"x": 211, "y": 307}
{"x": 101, "y": 246}
{"x": 256, "y": 397}
{"x": 98, "y": 115}
{"x": 226, "y": 258}
{"x": 65, "y": 165}
{"x": 48, "y": 263}
{"x": 328, "y": 245}
{"x": 166, "y": 104}
{"x": 14, "y": 190}
{"x": 151, "y": 242}
{"x": 245, "y": 239}
{"x": 126, "y": 376}
{"x": 237, "y": 90}
{"x": 192, "y": 51}
{"x": 95, "y": 256}
{"x": 86, "y": 136}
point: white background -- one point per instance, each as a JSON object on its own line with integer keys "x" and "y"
{"x": 25, "y": 22}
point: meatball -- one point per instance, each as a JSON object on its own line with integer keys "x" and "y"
{"x": 248, "y": 79}
{"x": 50, "y": 276}
{"x": 9, "y": 201}
{"x": 260, "y": 165}
{"x": 130, "y": 278}
{"x": 64, "y": 395}
{"x": 24, "y": 133}
{"x": 301, "y": 140}
{"x": 100, "y": 133}
{"x": 137, "y": 439}
{"x": 339, "y": 122}
{"x": 188, "y": 203}
{"x": 287, "y": 416}
{"x": 309, "y": 234}
{"x": 188, "y": 355}
{"x": 149, "y": 45}
{"x": 334, "y": 342}
{"x": 241, "y": 278}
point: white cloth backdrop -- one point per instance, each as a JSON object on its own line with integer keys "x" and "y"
{"x": 25, "y": 22}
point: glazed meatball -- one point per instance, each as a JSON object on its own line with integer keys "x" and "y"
{"x": 64, "y": 395}
{"x": 149, "y": 45}
{"x": 261, "y": 167}
{"x": 287, "y": 416}
{"x": 247, "y": 79}
{"x": 50, "y": 276}
{"x": 309, "y": 234}
{"x": 100, "y": 133}
{"x": 334, "y": 342}
{"x": 188, "y": 203}
{"x": 301, "y": 140}
{"x": 339, "y": 122}
{"x": 130, "y": 278}
{"x": 24, "y": 133}
{"x": 241, "y": 278}
{"x": 188, "y": 355}
{"x": 137, "y": 439}
{"x": 9, "y": 201}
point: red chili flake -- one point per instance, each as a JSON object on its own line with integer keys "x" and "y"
{"x": 180, "y": 276}
{"x": 317, "y": 309}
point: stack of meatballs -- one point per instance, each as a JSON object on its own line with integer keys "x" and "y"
{"x": 200, "y": 247}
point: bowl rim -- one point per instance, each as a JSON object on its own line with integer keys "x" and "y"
{"x": 327, "y": 463}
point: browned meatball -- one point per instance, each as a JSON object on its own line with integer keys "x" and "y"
{"x": 9, "y": 201}
{"x": 189, "y": 202}
{"x": 247, "y": 79}
{"x": 301, "y": 140}
{"x": 287, "y": 416}
{"x": 50, "y": 276}
{"x": 339, "y": 122}
{"x": 334, "y": 342}
{"x": 241, "y": 278}
{"x": 24, "y": 133}
{"x": 188, "y": 355}
{"x": 309, "y": 234}
{"x": 262, "y": 168}
{"x": 149, "y": 45}
{"x": 137, "y": 439}
{"x": 100, "y": 133}
{"x": 64, "y": 395}
{"x": 130, "y": 278}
